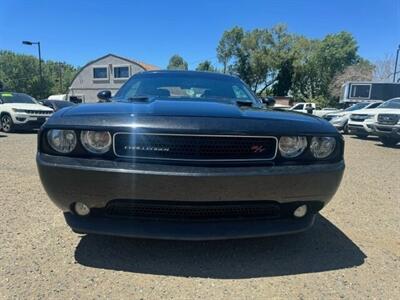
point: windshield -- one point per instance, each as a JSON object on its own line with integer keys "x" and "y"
{"x": 184, "y": 86}
{"x": 393, "y": 103}
{"x": 357, "y": 106}
{"x": 17, "y": 98}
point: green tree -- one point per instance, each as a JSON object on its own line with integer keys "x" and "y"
{"x": 254, "y": 55}
{"x": 228, "y": 46}
{"x": 206, "y": 66}
{"x": 316, "y": 62}
{"x": 176, "y": 62}
{"x": 284, "y": 79}
{"x": 20, "y": 73}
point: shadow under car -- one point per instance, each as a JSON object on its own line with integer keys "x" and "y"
{"x": 322, "y": 248}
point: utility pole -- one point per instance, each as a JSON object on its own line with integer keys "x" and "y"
{"x": 40, "y": 61}
{"x": 60, "y": 78}
{"x": 396, "y": 63}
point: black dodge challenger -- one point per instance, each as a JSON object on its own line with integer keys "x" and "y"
{"x": 188, "y": 155}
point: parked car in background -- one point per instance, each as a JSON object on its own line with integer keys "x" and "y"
{"x": 56, "y": 104}
{"x": 340, "y": 119}
{"x": 310, "y": 108}
{"x": 188, "y": 155}
{"x": 20, "y": 111}
{"x": 387, "y": 128}
{"x": 361, "y": 121}
{"x": 58, "y": 97}
{"x": 387, "y": 125}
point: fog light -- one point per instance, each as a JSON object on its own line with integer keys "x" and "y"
{"x": 300, "y": 211}
{"x": 81, "y": 209}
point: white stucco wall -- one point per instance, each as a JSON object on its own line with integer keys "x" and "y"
{"x": 86, "y": 86}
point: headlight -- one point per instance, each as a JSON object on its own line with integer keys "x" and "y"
{"x": 322, "y": 147}
{"x": 97, "y": 142}
{"x": 369, "y": 117}
{"x": 292, "y": 146}
{"x": 17, "y": 110}
{"x": 63, "y": 141}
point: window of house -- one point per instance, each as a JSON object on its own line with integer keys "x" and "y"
{"x": 360, "y": 91}
{"x": 121, "y": 72}
{"x": 100, "y": 73}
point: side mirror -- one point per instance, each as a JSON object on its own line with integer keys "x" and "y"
{"x": 269, "y": 101}
{"x": 104, "y": 95}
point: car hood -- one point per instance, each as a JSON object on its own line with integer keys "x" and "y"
{"x": 179, "y": 108}
{"x": 189, "y": 115}
{"x": 27, "y": 106}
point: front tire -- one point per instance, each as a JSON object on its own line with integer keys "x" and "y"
{"x": 346, "y": 129}
{"x": 389, "y": 142}
{"x": 7, "y": 123}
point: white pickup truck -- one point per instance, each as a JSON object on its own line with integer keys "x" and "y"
{"x": 312, "y": 108}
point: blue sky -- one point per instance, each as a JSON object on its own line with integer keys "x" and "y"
{"x": 77, "y": 31}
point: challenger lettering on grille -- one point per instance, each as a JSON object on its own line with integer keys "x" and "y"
{"x": 194, "y": 147}
{"x": 147, "y": 148}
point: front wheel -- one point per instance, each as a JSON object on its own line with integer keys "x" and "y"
{"x": 346, "y": 129}
{"x": 387, "y": 141}
{"x": 7, "y": 123}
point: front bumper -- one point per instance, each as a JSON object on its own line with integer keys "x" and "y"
{"x": 392, "y": 131}
{"x": 361, "y": 128}
{"x": 193, "y": 231}
{"x": 97, "y": 182}
{"x": 24, "y": 121}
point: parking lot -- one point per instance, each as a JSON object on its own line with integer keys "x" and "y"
{"x": 353, "y": 251}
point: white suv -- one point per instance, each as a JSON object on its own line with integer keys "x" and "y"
{"x": 340, "y": 119}
{"x": 361, "y": 122}
{"x": 387, "y": 125}
{"x": 21, "y": 111}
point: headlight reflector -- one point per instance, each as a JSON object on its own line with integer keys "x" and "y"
{"x": 97, "y": 142}
{"x": 292, "y": 146}
{"x": 63, "y": 141}
{"x": 322, "y": 147}
{"x": 18, "y": 110}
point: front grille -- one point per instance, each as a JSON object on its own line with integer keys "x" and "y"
{"x": 388, "y": 119}
{"x": 194, "y": 147}
{"x": 37, "y": 112}
{"x": 358, "y": 117}
{"x": 174, "y": 210}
